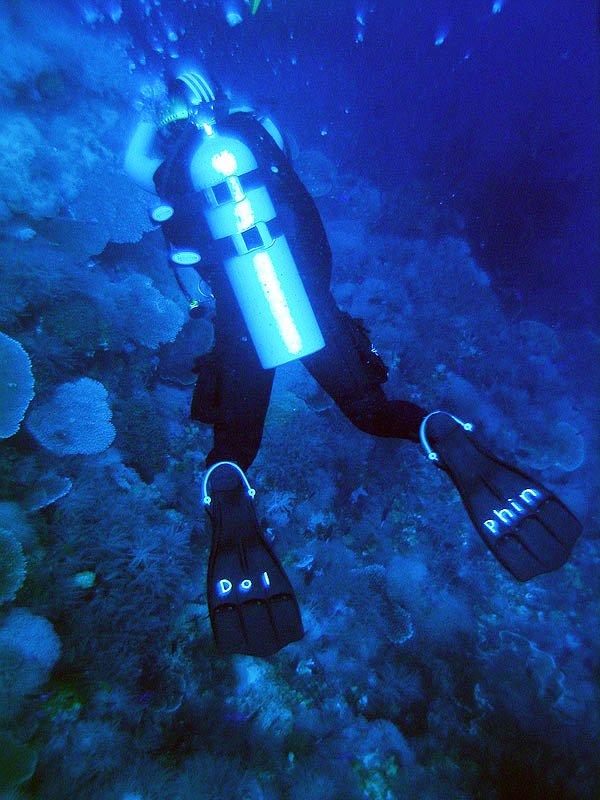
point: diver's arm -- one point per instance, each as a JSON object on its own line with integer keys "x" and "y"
{"x": 189, "y": 281}
{"x": 274, "y": 133}
{"x": 138, "y": 163}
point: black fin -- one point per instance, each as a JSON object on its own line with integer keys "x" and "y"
{"x": 253, "y": 608}
{"x": 527, "y": 528}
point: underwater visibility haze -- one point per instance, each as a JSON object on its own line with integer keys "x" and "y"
{"x": 299, "y": 400}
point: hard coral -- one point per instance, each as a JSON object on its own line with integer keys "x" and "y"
{"x": 14, "y": 519}
{"x": 142, "y": 435}
{"x": 17, "y": 764}
{"x": 318, "y": 173}
{"x": 140, "y": 312}
{"x": 75, "y": 421}
{"x": 12, "y": 566}
{"x": 562, "y": 446}
{"x": 29, "y": 649}
{"x": 16, "y": 385}
{"x": 47, "y": 490}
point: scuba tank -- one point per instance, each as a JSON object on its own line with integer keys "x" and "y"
{"x": 256, "y": 256}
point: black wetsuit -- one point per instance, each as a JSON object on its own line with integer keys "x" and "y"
{"x": 233, "y": 389}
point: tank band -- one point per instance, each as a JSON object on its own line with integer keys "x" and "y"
{"x": 257, "y": 237}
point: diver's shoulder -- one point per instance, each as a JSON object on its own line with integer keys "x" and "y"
{"x": 260, "y": 120}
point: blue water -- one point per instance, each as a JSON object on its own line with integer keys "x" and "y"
{"x": 452, "y": 150}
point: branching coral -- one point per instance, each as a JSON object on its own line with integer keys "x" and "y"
{"x": 113, "y": 523}
{"x": 279, "y": 505}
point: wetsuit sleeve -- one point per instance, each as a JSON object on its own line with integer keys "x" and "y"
{"x": 187, "y": 231}
{"x": 140, "y": 162}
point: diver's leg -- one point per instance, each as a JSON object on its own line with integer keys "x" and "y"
{"x": 251, "y": 602}
{"x": 527, "y": 528}
{"x": 233, "y": 390}
{"x": 349, "y": 370}
{"x": 243, "y": 402}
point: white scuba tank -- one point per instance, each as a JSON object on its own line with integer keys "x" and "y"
{"x": 261, "y": 267}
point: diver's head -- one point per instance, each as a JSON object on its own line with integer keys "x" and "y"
{"x": 193, "y": 96}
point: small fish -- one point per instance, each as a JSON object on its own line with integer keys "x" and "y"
{"x": 255, "y": 5}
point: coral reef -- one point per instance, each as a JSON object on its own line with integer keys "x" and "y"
{"x": 425, "y": 672}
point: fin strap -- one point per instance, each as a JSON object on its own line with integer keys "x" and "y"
{"x": 206, "y": 498}
{"x": 429, "y": 451}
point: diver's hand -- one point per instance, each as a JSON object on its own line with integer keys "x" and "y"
{"x": 151, "y": 102}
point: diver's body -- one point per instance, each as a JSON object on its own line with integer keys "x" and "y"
{"x": 233, "y": 389}
{"x": 253, "y": 608}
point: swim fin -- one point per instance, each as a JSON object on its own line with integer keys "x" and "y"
{"x": 527, "y": 528}
{"x": 252, "y": 606}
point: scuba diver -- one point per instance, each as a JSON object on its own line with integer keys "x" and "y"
{"x": 235, "y": 214}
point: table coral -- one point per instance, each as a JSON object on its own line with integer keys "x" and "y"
{"x": 76, "y": 420}
{"x": 29, "y": 649}
{"x": 12, "y": 566}
{"x": 16, "y": 385}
